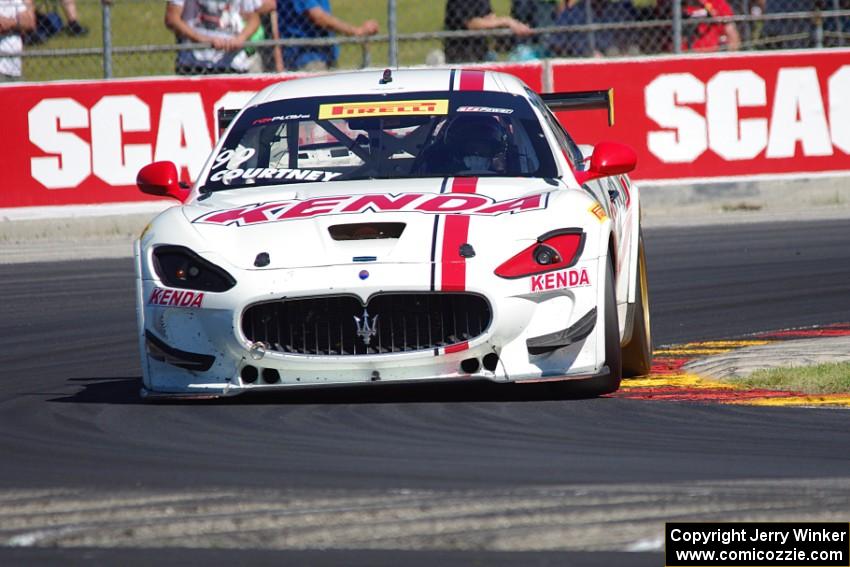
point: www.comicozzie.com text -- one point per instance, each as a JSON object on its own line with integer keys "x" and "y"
{"x": 726, "y": 536}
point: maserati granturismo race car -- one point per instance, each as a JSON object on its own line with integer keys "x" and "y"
{"x": 395, "y": 227}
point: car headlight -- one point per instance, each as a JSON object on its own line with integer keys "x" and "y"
{"x": 554, "y": 250}
{"x": 180, "y": 267}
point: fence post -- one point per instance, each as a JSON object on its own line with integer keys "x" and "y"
{"x": 392, "y": 29}
{"x": 818, "y": 28}
{"x": 588, "y": 18}
{"x": 839, "y": 23}
{"x": 106, "y": 11}
{"x": 677, "y": 26}
{"x": 366, "y": 59}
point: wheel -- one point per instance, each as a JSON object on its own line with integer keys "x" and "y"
{"x": 605, "y": 384}
{"x": 637, "y": 354}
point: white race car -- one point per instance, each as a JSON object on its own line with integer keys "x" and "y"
{"x": 400, "y": 226}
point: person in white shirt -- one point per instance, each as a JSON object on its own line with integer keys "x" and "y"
{"x": 16, "y": 17}
{"x": 226, "y": 24}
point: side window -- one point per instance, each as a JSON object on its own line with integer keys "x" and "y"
{"x": 569, "y": 145}
{"x": 571, "y": 150}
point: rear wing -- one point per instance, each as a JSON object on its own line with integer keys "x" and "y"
{"x": 581, "y": 100}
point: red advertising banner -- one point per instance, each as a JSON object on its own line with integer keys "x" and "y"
{"x": 721, "y": 116}
{"x": 716, "y": 116}
{"x": 84, "y": 142}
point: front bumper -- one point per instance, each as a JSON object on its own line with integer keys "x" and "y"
{"x": 500, "y": 354}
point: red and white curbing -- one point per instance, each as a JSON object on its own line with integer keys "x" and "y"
{"x": 671, "y": 380}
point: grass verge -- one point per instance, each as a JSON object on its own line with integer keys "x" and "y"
{"x": 829, "y": 378}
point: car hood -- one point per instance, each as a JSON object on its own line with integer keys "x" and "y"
{"x": 292, "y": 224}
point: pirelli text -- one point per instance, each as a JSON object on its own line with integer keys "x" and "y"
{"x": 757, "y": 544}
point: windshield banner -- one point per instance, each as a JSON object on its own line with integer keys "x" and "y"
{"x": 379, "y": 108}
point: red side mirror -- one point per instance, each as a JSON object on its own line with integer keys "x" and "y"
{"x": 609, "y": 158}
{"x": 160, "y": 178}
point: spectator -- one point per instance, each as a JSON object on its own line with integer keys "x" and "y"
{"x": 314, "y": 19}
{"x": 613, "y": 42}
{"x": 73, "y": 26}
{"x": 475, "y": 15}
{"x": 16, "y": 17}
{"x": 218, "y": 23}
{"x": 791, "y": 33}
{"x": 650, "y": 39}
{"x": 534, "y": 14}
{"x": 709, "y": 36}
{"x": 573, "y": 44}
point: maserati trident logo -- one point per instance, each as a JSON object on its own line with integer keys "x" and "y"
{"x": 364, "y": 330}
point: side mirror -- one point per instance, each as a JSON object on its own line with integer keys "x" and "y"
{"x": 609, "y": 158}
{"x": 160, "y": 178}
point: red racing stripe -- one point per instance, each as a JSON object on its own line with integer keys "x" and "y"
{"x": 472, "y": 80}
{"x": 464, "y": 184}
{"x": 456, "y": 233}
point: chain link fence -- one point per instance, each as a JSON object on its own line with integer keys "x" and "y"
{"x": 129, "y": 38}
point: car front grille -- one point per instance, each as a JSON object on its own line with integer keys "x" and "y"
{"x": 406, "y": 322}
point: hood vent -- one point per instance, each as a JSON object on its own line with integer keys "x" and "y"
{"x": 366, "y": 230}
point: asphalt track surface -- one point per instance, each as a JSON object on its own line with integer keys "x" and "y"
{"x": 72, "y": 420}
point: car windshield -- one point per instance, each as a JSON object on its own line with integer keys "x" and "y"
{"x": 428, "y": 134}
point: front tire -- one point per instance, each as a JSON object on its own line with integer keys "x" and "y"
{"x": 637, "y": 354}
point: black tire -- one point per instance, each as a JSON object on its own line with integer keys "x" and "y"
{"x": 637, "y": 354}
{"x": 604, "y": 384}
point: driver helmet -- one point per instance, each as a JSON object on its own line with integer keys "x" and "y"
{"x": 479, "y": 141}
